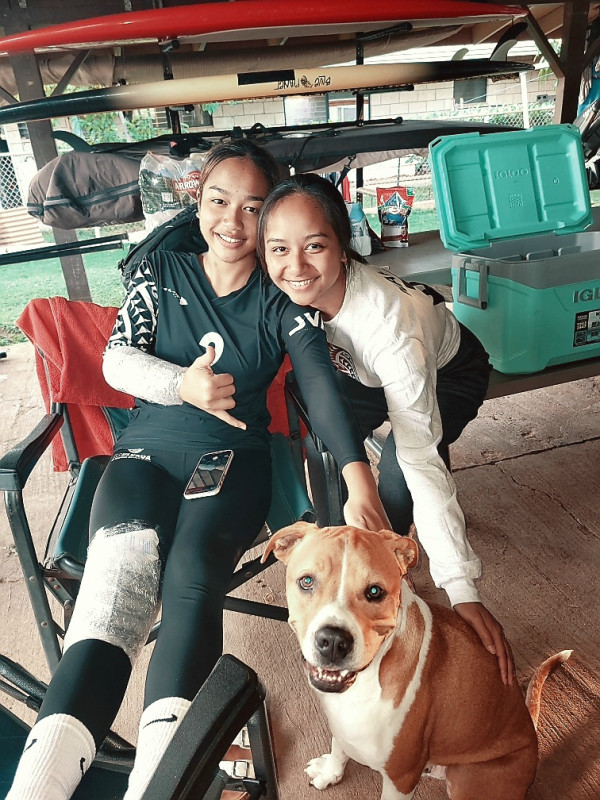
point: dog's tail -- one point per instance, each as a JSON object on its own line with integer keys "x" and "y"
{"x": 536, "y": 684}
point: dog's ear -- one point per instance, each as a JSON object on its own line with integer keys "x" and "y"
{"x": 283, "y": 542}
{"x": 405, "y": 549}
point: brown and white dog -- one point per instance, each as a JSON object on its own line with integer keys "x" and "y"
{"x": 407, "y": 686}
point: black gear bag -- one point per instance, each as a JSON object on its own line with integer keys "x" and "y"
{"x": 181, "y": 234}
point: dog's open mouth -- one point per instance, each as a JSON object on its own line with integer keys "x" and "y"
{"x": 329, "y": 680}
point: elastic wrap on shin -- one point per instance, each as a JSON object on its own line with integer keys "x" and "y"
{"x": 119, "y": 595}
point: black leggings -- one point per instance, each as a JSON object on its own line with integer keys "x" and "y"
{"x": 200, "y": 543}
{"x": 461, "y": 389}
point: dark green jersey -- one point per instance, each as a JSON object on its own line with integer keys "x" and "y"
{"x": 171, "y": 311}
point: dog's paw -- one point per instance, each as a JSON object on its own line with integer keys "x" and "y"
{"x": 324, "y": 771}
{"x": 434, "y": 771}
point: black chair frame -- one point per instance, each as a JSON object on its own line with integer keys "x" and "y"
{"x": 231, "y": 697}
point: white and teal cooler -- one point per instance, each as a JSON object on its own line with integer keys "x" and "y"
{"x": 513, "y": 209}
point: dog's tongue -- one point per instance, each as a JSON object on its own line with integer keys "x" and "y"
{"x": 330, "y": 680}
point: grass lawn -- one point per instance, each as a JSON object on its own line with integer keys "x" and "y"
{"x": 420, "y": 219}
{"x": 20, "y": 283}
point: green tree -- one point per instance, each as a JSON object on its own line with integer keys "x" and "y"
{"x": 112, "y": 127}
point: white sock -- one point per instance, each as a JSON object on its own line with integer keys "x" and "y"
{"x": 157, "y": 727}
{"x": 58, "y": 752}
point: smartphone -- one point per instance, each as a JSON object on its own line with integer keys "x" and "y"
{"x": 209, "y": 475}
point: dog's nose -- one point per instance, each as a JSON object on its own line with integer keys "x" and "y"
{"x": 334, "y": 644}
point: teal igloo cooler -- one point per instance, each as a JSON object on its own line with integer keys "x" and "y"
{"x": 513, "y": 209}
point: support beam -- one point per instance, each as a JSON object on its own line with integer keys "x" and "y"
{"x": 78, "y": 60}
{"x": 360, "y": 104}
{"x": 538, "y": 36}
{"x": 575, "y": 25}
{"x": 10, "y": 99}
{"x": 29, "y": 84}
{"x": 570, "y": 19}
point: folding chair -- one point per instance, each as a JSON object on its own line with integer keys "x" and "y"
{"x": 59, "y": 572}
{"x": 231, "y": 697}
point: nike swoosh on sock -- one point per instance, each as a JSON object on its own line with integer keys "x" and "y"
{"x": 31, "y": 743}
{"x": 172, "y": 718}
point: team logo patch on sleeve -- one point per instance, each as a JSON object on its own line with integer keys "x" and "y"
{"x": 342, "y": 360}
{"x": 303, "y": 320}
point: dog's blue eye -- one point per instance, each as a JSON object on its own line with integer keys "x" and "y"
{"x": 374, "y": 592}
{"x": 306, "y": 582}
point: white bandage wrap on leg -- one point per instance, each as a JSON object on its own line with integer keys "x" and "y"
{"x": 58, "y": 752}
{"x": 119, "y": 595}
{"x": 157, "y": 727}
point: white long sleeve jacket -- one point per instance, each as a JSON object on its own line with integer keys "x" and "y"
{"x": 389, "y": 334}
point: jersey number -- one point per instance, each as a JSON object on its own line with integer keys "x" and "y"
{"x": 216, "y": 340}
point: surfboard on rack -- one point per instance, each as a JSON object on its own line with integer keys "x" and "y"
{"x": 253, "y": 86}
{"x": 250, "y": 19}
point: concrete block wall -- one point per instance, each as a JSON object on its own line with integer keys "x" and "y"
{"x": 268, "y": 112}
{"x": 426, "y": 98}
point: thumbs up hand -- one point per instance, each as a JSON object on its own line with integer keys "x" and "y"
{"x": 211, "y": 392}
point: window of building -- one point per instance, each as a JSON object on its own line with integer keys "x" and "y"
{"x": 470, "y": 90}
{"x": 308, "y": 110}
{"x": 23, "y": 130}
{"x": 189, "y": 116}
{"x": 342, "y": 107}
{"x": 318, "y": 109}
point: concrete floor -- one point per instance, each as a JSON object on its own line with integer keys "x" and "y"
{"x": 527, "y": 471}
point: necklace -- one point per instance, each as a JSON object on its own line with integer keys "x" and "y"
{"x": 337, "y": 317}
{"x": 333, "y": 326}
